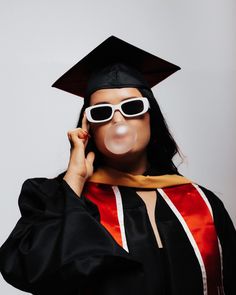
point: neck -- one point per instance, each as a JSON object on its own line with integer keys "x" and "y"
{"x": 135, "y": 164}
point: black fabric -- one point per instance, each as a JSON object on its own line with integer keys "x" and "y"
{"x": 59, "y": 247}
{"x": 58, "y": 244}
{"x": 116, "y": 75}
{"x": 142, "y": 242}
{"x": 181, "y": 257}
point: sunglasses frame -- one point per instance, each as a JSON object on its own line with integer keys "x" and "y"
{"x": 115, "y": 107}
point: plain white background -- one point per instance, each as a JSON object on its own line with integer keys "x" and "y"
{"x": 40, "y": 40}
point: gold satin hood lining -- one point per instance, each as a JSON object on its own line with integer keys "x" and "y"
{"x": 114, "y": 177}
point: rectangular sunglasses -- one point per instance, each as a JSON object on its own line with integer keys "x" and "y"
{"x": 129, "y": 108}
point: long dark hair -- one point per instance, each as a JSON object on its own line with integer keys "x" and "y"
{"x": 162, "y": 146}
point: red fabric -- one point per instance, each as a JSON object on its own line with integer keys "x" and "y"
{"x": 104, "y": 197}
{"x": 198, "y": 218}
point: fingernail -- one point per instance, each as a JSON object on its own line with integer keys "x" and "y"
{"x": 86, "y": 133}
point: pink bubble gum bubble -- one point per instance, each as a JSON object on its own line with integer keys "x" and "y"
{"x": 120, "y": 138}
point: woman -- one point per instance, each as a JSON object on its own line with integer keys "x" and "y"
{"x": 119, "y": 223}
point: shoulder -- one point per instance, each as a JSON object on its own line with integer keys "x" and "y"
{"x": 221, "y": 216}
{"x": 43, "y": 184}
{"x": 39, "y": 191}
{"x": 213, "y": 202}
{"x": 47, "y": 196}
{"x": 213, "y": 199}
{"x": 211, "y": 196}
{"x": 39, "y": 185}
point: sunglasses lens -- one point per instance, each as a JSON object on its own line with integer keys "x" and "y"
{"x": 133, "y": 107}
{"x": 101, "y": 113}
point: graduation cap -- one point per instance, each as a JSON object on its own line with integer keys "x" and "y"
{"x": 115, "y": 64}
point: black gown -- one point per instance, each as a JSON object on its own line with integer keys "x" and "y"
{"x": 59, "y": 246}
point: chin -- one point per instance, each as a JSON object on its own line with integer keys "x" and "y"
{"x": 128, "y": 156}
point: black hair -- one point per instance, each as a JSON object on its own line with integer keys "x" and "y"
{"x": 162, "y": 146}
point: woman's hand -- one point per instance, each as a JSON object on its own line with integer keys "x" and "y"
{"x": 79, "y": 167}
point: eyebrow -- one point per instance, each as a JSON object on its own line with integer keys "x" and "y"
{"x": 105, "y": 102}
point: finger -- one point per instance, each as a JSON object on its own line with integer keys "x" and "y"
{"x": 77, "y": 133}
{"x": 85, "y": 127}
{"x": 78, "y": 153}
{"x": 85, "y": 123}
{"x": 90, "y": 157}
{"x": 76, "y": 140}
{"x": 69, "y": 136}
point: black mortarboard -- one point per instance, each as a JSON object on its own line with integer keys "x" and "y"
{"x": 115, "y": 64}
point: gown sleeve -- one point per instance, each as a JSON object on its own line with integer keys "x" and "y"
{"x": 227, "y": 236}
{"x": 57, "y": 243}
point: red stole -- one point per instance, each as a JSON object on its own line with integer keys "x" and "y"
{"x": 192, "y": 209}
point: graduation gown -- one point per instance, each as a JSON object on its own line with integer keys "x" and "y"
{"x": 63, "y": 244}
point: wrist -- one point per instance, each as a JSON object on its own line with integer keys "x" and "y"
{"x": 76, "y": 182}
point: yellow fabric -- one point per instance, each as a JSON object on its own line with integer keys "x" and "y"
{"x": 115, "y": 177}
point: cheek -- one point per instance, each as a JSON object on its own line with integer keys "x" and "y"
{"x": 98, "y": 133}
{"x": 144, "y": 131}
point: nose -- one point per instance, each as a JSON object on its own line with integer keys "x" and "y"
{"x": 118, "y": 117}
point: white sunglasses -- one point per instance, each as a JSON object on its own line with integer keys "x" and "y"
{"x": 129, "y": 108}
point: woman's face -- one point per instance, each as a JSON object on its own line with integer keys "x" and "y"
{"x": 140, "y": 123}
